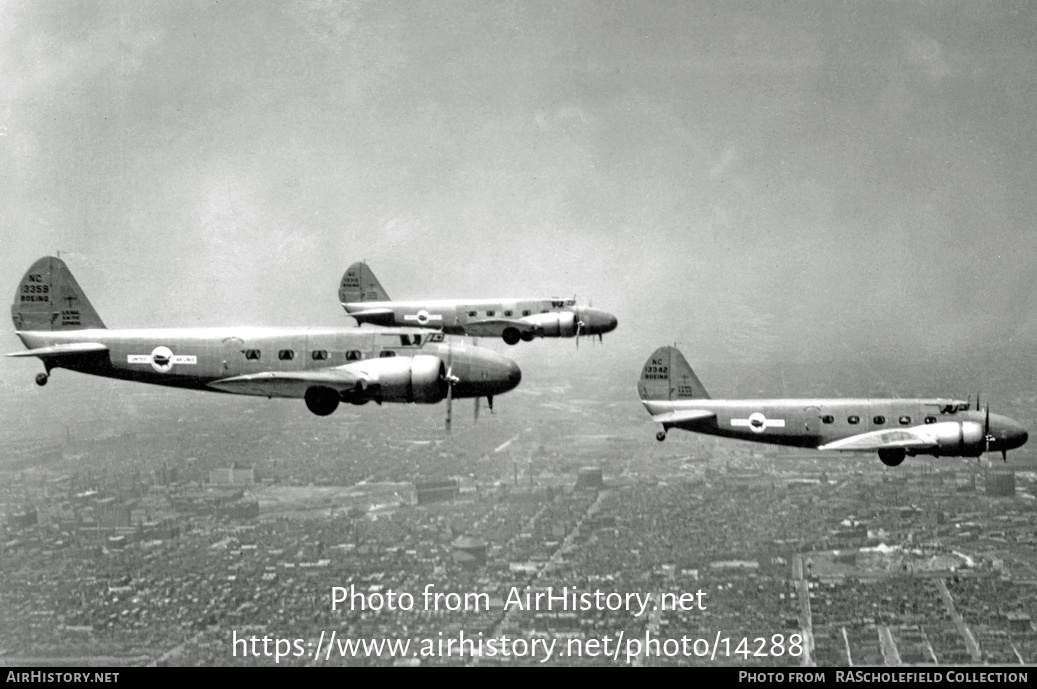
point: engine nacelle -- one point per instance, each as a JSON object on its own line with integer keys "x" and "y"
{"x": 420, "y": 378}
{"x": 959, "y": 438}
{"x": 555, "y": 324}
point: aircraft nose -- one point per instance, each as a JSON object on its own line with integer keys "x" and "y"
{"x": 1008, "y": 433}
{"x": 598, "y": 321}
{"x": 513, "y": 374}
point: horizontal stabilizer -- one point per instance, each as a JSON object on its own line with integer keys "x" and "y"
{"x": 63, "y": 350}
{"x": 902, "y": 438}
{"x": 374, "y": 316}
{"x": 289, "y": 384}
{"x": 683, "y": 416}
{"x": 494, "y": 327}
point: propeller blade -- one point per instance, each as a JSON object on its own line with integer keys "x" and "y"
{"x": 450, "y": 380}
{"x": 449, "y": 400}
{"x": 489, "y": 402}
{"x": 579, "y": 327}
{"x": 477, "y": 410}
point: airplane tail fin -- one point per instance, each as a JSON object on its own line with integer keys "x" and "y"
{"x": 668, "y": 376}
{"x": 360, "y": 284}
{"x": 49, "y": 298}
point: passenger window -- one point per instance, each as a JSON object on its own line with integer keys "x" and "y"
{"x": 491, "y": 313}
{"x": 507, "y": 314}
{"x": 527, "y": 312}
{"x": 545, "y": 310}
{"x": 473, "y": 314}
{"x": 354, "y": 355}
{"x": 252, "y": 354}
{"x": 286, "y": 355}
{"x": 386, "y": 353}
{"x": 854, "y": 419}
{"x": 827, "y": 418}
{"x": 905, "y": 420}
{"x": 319, "y": 354}
{"x": 930, "y": 419}
{"x": 878, "y": 420}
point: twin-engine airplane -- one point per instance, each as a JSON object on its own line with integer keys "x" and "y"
{"x": 364, "y": 299}
{"x": 895, "y": 428}
{"x": 56, "y": 322}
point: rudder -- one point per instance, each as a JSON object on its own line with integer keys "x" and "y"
{"x": 359, "y": 284}
{"x": 49, "y": 298}
{"x": 668, "y": 376}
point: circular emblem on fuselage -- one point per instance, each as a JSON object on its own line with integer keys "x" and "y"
{"x": 161, "y": 359}
{"x": 423, "y": 316}
{"x": 757, "y": 422}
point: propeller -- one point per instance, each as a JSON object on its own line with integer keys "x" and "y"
{"x": 477, "y": 410}
{"x": 450, "y": 379}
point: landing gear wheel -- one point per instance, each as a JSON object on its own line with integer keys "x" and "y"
{"x": 322, "y": 401}
{"x": 528, "y": 336}
{"x": 511, "y": 335}
{"x": 660, "y": 436}
{"x": 893, "y": 457}
{"x": 41, "y": 379}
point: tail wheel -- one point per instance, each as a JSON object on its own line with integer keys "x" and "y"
{"x": 511, "y": 335}
{"x": 660, "y": 436}
{"x": 322, "y": 401}
{"x": 41, "y": 379}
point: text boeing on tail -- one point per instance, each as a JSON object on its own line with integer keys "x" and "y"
{"x": 895, "y": 428}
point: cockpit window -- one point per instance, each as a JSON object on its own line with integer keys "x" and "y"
{"x": 570, "y": 302}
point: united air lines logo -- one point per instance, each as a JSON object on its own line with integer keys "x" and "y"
{"x": 758, "y": 423}
{"x": 161, "y": 359}
{"x": 423, "y": 317}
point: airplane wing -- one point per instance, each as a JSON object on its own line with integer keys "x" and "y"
{"x": 683, "y": 416}
{"x": 494, "y": 327}
{"x": 290, "y": 383}
{"x": 63, "y": 350}
{"x": 903, "y": 438}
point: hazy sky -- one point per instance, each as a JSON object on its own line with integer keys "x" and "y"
{"x": 774, "y": 181}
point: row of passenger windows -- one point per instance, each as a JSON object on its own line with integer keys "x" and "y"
{"x": 876, "y": 420}
{"x": 316, "y": 354}
{"x": 508, "y": 313}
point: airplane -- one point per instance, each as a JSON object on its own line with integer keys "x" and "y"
{"x": 364, "y": 299}
{"x": 895, "y": 428}
{"x": 323, "y": 366}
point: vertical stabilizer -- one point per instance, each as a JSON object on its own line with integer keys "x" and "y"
{"x": 668, "y": 376}
{"x": 49, "y": 298}
{"x": 359, "y": 284}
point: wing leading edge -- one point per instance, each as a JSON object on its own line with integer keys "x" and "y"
{"x": 894, "y": 438}
{"x": 290, "y": 384}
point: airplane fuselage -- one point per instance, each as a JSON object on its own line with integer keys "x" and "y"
{"x": 196, "y": 357}
{"x": 551, "y": 317}
{"x": 813, "y": 423}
